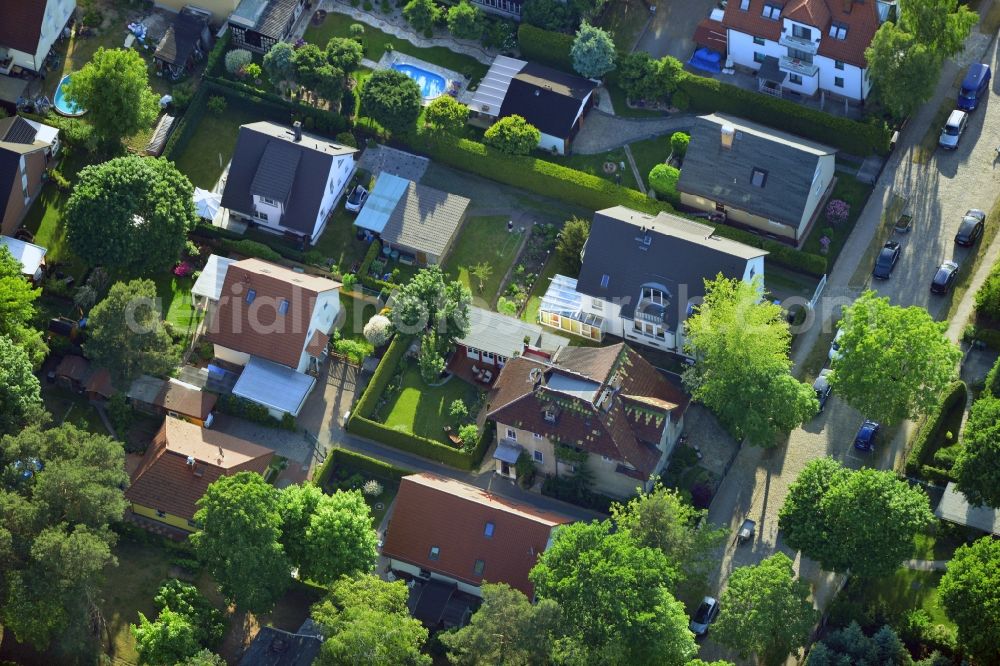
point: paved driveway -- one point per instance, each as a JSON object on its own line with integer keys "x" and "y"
{"x": 672, "y": 28}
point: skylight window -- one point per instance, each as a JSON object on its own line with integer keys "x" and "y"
{"x": 488, "y": 531}
{"x": 744, "y": 4}
{"x": 758, "y": 178}
{"x": 478, "y": 568}
{"x": 283, "y": 307}
{"x": 252, "y": 294}
{"x": 772, "y": 12}
{"x": 838, "y": 31}
{"x": 435, "y": 553}
{"x": 604, "y": 280}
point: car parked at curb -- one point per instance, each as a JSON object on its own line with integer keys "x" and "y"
{"x": 867, "y": 434}
{"x": 704, "y": 616}
{"x": 834, "y": 354}
{"x": 887, "y": 259}
{"x": 822, "y": 387}
{"x": 975, "y": 85}
{"x": 944, "y": 277}
{"x": 971, "y": 228}
{"x": 953, "y": 129}
{"x": 356, "y": 199}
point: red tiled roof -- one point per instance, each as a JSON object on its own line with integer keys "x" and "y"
{"x": 165, "y": 481}
{"x": 317, "y": 343}
{"x": 711, "y": 34}
{"x": 627, "y": 430}
{"x": 433, "y": 511}
{"x": 21, "y": 24}
{"x": 860, "y": 18}
{"x": 258, "y": 328}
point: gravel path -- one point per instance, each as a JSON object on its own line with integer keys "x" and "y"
{"x": 602, "y": 131}
{"x": 939, "y": 192}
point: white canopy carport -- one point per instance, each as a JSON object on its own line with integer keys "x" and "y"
{"x": 277, "y": 387}
{"x": 213, "y": 276}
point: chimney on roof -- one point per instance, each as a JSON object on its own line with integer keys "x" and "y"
{"x": 190, "y": 461}
{"x": 728, "y": 134}
{"x": 297, "y": 129}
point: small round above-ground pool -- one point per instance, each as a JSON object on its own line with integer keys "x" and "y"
{"x": 64, "y": 106}
{"x": 431, "y": 85}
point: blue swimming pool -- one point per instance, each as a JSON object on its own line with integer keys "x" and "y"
{"x": 63, "y": 105}
{"x": 431, "y": 85}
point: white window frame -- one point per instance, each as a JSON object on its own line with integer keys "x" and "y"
{"x": 511, "y": 434}
{"x": 536, "y": 435}
{"x": 538, "y": 456}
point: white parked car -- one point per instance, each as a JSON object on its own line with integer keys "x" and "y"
{"x": 835, "y": 352}
{"x": 356, "y": 199}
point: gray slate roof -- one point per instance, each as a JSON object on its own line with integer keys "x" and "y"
{"x": 680, "y": 256}
{"x": 181, "y": 37}
{"x": 276, "y": 171}
{"x": 425, "y": 219}
{"x": 724, "y": 175}
{"x": 493, "y": 332}
{"x": 955, "y": 508}
{"x": 254, "y": 165}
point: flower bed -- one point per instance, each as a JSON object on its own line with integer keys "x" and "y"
{"x": 529, "y": 264}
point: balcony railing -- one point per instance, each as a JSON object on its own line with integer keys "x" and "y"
{"x": 807, "y": 45}
{"x": 797, "y": 66}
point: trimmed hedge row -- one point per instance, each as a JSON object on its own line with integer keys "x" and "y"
{"x": 368, "y": 280}
{"x": 314, "y": 119}
{"x": 710, "y": 95}
{"x": 361, "y": 424}
{"x": 360, "y": 462}
{"x": 915, "y": 461}
{"x": 187, "y": 125}
{"x": 545, "y": 46}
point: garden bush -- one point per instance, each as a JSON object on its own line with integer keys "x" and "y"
{"x": 679, "y": 144}
{"x": 663, "y": 179}
{"x": 250, "y": 248}
{"x": 927, "y": 434}
{"x": 993, "y": 380}
{"x": 546, "y": 47}
{"x": 362, "y": 463}
{"x": 253, "y": 412}
{"x": 851, "y": 136}
{"x": 988, "y": 296}
{"x": 237, "y": 59}
{"x": 217, "y": 104}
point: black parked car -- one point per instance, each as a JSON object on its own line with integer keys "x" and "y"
{"x": 944, "y": 277}
{"x": 887, "y": 259}
{"x": 971, "y": 228}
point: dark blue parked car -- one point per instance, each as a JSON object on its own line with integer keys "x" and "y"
{"x": 865, "y": 439}
{"x": 975, "y": 84}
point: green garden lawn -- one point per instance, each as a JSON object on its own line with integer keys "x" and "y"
{"x": 594, "y": 165}
{"x": 530, "y": 313}
{"x": 356, "y": 314}
{"x": 423, "y": 410}
{"x": 856, "y": 195}
{"x": 338, "y": 241}
{"x": 211, "y": 146}
{"x": 649, "y": 153}
{"x": 376, "y": 43}
{"x": 175, "y": 297}
{"x": 483, "y": 239}
{"x": 903, "y": 591}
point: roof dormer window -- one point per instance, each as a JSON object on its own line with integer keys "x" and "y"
{"x": 550, "y": 415}
{"x": 771, "y": 11}
{"x": 838, "y": 31}
{"x": 744, "y": 5}
{"x": 758, "y": 177}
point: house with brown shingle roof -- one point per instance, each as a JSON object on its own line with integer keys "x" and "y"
{"x": 273, "y": 322}
{"x": 805, "y": 46}
{"x": 446, "y": 530}
{"x": 179, "y": 465}
{"x": 607, "y": 404}
{"x": 172, "y": 397}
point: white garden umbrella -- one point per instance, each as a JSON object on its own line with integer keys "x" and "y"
{"x": 206, "y": 203}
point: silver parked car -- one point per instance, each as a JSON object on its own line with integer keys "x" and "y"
{"x": 822, "y": 387}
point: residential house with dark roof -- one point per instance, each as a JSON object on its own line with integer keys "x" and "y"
{"x": 276, "y": 647}
{"x": 273, "y": 322}
{"x": 258, "y": 25}
{"x": 28, "y": 31}
{"x": 185, "y": 43}
{"x": 26, "y": 148}
{"x": 286, "y": 181}
{"x": 808, "y": 47}
{"x": 180, "y": 463}
{"x": 772, "y": 182}
{"x": 449, "y": 531}
{"x": 555, "y": 102}
{"x": 419, "y": 222}
{"x": 641, "y": 275}
{"x": 172, "y": 397}
{"x": 603, "y": 407}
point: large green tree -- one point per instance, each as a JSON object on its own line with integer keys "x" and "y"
{"x": 114, "y": 89}
{"x": 513, "y": 135}
{"x": 465, "y": 20}
{"x": 344, "y": 54}
{"x": 17, "y": 308}
{"x": 766, "y": 611}
{"x": 422, "y": 15}
{"x": 593, "y": 52}
{"x": 970, "y": 593}
{"x": 392, "y": 99}
{"x": 851, "y": 645}
{"x": 977, "y": 468}
{"x": 905, "y": 56}
{"x": 366, "y": 621}
{"x": 894, "y": 362}
{"x": 742, "y": 370}
{"x": 507, "y": 629}
{"x": 860, "y": 521}
{"x": 643, "y": 78}
{"x": 664, "y": 520}
{"x": 327, "y": 536}
{"x": 446, "y": 114}
{"x": 570, "y": 242}
{"x": 168, "y": 640}
{"x": 616, "y": 595}
{"x": 132, "y": 213}
{"x": 20, "y": 391}
{"x": 239, "y": 540}
{"x": 60, "y": 489}
{"x": 127, "y": 335}
{"x": 279, "y": 64}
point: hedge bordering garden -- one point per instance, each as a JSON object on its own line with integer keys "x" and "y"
{"x": 360, "y": 462}
{"x": 360, "y": 422}
{"x": 920, "y": 453}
